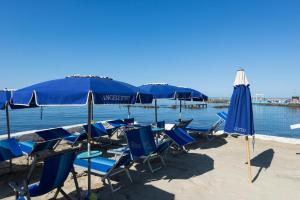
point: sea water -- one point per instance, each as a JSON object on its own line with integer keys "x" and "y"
{"x": 269, "y": 120}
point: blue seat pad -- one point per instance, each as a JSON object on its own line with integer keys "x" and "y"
{"x": 98, "y": 164}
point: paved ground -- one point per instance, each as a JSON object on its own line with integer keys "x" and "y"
{"x": 211, "y": 170}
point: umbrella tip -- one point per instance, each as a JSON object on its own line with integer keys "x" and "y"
{"x": 240, "y": 69}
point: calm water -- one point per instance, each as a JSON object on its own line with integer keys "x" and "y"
{"x": 268, "y": 120}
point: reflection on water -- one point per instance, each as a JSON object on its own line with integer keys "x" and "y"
{"x": 269, "y": 120}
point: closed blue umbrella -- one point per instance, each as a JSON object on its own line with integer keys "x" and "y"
{"x": 240, "y": 112}
{"x": 166, "y": 91}
{"x": 80, "y": 90}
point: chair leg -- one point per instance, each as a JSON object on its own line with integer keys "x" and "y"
{"x": 128, "y": 174}
{"x": 111, "y": 186}
{"x": 56, "y": 194}
{"x": 76, "y": 183}
{"x": 64, "y": 194}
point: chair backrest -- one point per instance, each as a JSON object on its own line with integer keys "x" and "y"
{"x": 51, "y": 134}
{"x": 45, "y": 145}
{"x": 180, "y": 136}
{"x": 98, "y": 130}
{"x": 222, "y": 118}
{"x": 55, "y": 171}
{"x": 140, "y": 142}
{"x": 129, "y": 121}
{"x": 117, "y": 122}
{"x": 9, "y": 149}
{"x": 183, "y": 123}
{"x": 222, "y": 115}
{"x": 160, "y": 124}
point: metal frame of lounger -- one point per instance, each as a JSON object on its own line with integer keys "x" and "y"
{"x": 117, "y": 168}
{"x": 23, "y": 190}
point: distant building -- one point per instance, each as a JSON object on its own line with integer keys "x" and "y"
{"x": 295, "y": 99}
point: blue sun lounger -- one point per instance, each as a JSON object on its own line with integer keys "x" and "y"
{"x": 98, "y": 134}
{"x": 142, "y": 146}
{"x": 60, "y": 133}
{"x": 55, "y": 172}
{"x": 107, "y": 168}
{"x": 31, "y": 148}
{"x": 179, "y": 137}
{"x": 210, "y": 130}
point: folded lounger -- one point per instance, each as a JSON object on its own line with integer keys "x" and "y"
{"x": 179, "y": 137}
{"x": 106, "y": 168}
{"x": 210, "y": 130}
{"x": 55, "y": 172}
{"x": 142, "y": 145}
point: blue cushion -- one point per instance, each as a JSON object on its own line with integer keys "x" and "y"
{"x": 9, "y": 149}
{"x": 98, "y": 165}
{"x": 27, "y": 146}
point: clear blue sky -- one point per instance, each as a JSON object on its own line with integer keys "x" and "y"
{"x": 199, "y": 44}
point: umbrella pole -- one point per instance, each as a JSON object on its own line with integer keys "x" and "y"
{"x": 128, "y": 111}
{"x": 180, "y": 114}
{"x": 89, "y": 140}
{"x": 248, "y": 159}
{"x": 155, "y": 105}
{"x": 8, "y": 130}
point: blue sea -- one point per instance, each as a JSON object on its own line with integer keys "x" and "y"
{"x": 269, "y": 120}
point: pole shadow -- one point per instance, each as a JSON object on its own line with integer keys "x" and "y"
{"x": 262, "y": 160}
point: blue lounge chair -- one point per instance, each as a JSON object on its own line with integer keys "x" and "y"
{"x": 60, "y": 133}
{"x": 107, "y": 168}
{"x": 129, "y": 121}
{"x": 179, "y": 137}
{"x": 142, "y": 146}
{"x": 9, "y": 149}
{"x": 55, "y": 171}
{"x": 31, "y": 148}
{"x": 183, "y": 123}
{"x": 210, "y": 130}
{"x": 98, "y": 134}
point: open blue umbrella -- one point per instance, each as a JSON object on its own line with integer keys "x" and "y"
{"x": 166, "y": 91}
{"x": 240, "y": 112}
{"x": 5, "y": 96}
{"x": 80, "y": 91}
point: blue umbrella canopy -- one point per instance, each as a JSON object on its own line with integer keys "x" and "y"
{"x": 80, "y": 90}
{"x": 166, "y": 91}
{"x": 74, "y": 90}
{"x": 5, "y": 96}
{"x": 240, "y": 112}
